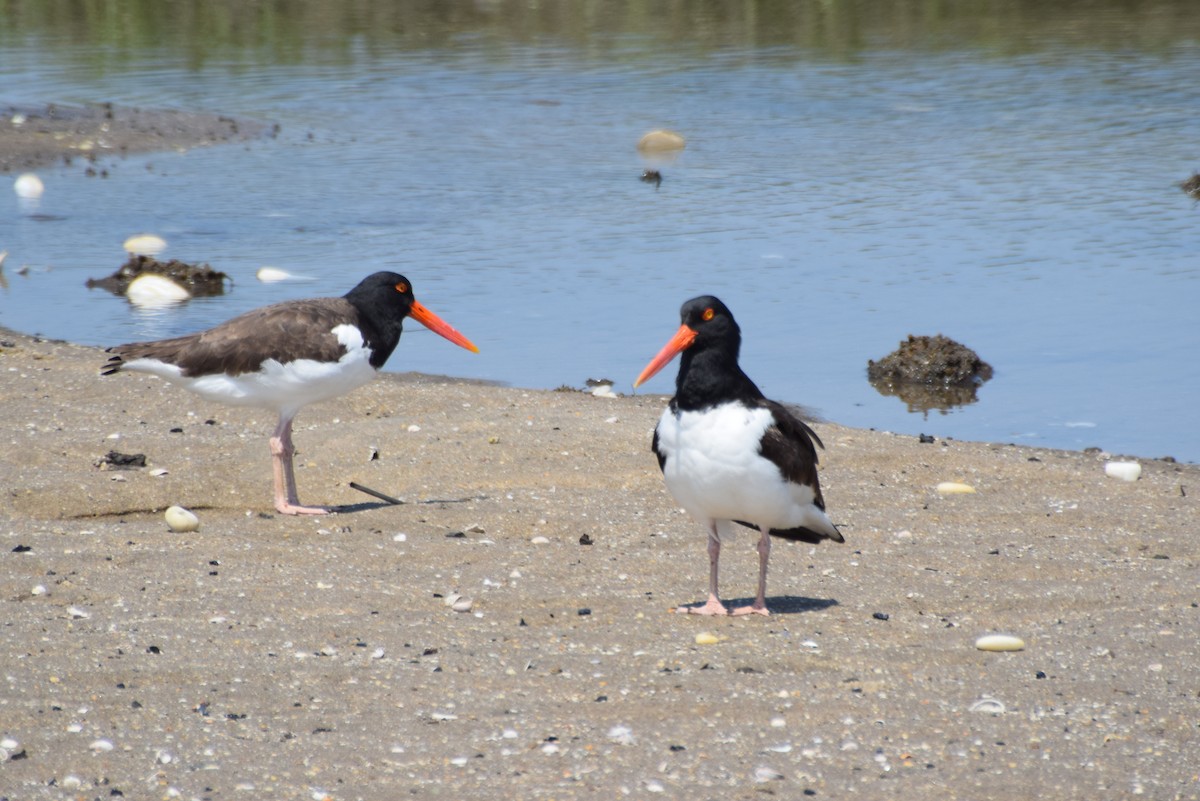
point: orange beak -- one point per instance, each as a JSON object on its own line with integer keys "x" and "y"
{"x": 682, "y": 340}
{"x": 439, "y": 326}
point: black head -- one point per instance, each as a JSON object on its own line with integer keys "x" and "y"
{"x": 390, "y": 292}
{"x": 384, "y": 299}
{"x": 713, "y": 323}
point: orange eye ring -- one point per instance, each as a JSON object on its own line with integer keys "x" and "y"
{"x": 401, "y": 287}
{"x": 708, "y": 315}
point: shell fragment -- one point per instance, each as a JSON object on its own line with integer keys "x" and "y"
{"x": 1000, "y": 642}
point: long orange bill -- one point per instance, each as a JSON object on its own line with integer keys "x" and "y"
{"x": 682, "y": 340}
{"x": 439, "y": 326}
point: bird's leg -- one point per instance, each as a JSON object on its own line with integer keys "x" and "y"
{"x": 759, "y": 607}
{"x": 713, "y": 606}
{"x": 282, "y": 450}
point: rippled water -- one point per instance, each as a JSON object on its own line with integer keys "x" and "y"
{"x": 1024, "y": 203}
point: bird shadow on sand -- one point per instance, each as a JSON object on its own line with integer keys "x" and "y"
{"x": 367, "y": 506}
{"x": 778, "y": 604}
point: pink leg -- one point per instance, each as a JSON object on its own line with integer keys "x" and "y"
{"x": 759, "y": 607}
{"x": 713, "y": 606}
{"x": 282, "y": 450}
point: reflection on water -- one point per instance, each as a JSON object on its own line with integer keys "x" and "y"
{"x": 1005, "y": 172}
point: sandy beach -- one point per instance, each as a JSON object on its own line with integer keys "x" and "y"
{"x": 277, "y": 657}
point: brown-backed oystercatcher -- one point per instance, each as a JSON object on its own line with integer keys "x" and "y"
{"x": 729, "y": 455}
{"x": 288, "y": 355}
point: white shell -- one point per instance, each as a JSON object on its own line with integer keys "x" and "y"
{"x": 1000, "y": 642}
{"x": 180, "y": 519}
{"x": 954, "y": 488}
{"x": 151, "y": 291}
{"x": 462, "y": 605}
{"x": 269, "y": 275}
{"x": 145, "y": 245}
{"x": 1126, "y": 471}
{"x": 707, "y": 638}
{"x": 661, "y": 140}
{"x": 28, "y": 185}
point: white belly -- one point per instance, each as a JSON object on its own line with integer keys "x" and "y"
{"x": 715, "y": 470}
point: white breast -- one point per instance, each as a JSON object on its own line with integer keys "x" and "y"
{"x": 715, "y": 470}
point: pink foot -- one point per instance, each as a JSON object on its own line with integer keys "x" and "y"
{"x": 751, "y": 610}
{"x": 711, "y": 607}
{"x": 295, "y": 509}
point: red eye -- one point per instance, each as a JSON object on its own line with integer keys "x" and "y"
{"x": 401, "y": 287}
{"x": 708, "y": 315}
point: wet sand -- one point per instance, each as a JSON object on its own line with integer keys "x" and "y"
{"x": 266, "y": 656}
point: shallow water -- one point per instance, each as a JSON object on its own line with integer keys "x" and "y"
{"x": 1010, "y": 183}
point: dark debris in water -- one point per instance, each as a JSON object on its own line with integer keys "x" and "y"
{"x": 930, "y": 373}
{"x": 1191, "y": 186}
{"x": 199, "y": 279}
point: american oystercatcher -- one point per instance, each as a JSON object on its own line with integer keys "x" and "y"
{"x": 729, "y": 455}
{"x": 288, "y": 355}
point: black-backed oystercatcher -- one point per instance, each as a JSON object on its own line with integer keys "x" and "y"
{"x": 288, "y": 355}
{"x": 728, "y": 454}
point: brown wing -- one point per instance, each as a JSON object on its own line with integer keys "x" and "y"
{"x": 284, "y": 331}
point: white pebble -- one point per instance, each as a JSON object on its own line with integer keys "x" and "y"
{"x": 540, "y": 540}
{"x": 270, "y": 275}
{"x": 154, "y": 291}
{"x": 145, "y": 245}
{"x": 954, "y": 488}
{"x": 158, "y": 472}
{"x": 1000, "y": 642}
{"x": 72, "y": 782}
{"x": 400, "y": 538}
{"x": 654, "y": 786}
{"x": 9, "y": 744}
{"x": 460, "y": 762}
{"x": 764, "y": 774}
{"x": 28, "y": 185}
{"x": 778, "y": 723}
{"x": 414, "y": 428}
{"x": 77, "y": 613}
{"x": 462, "y": 605}
{"x": 1126, "y": 471}
{"x": 509, "y": 734}
{"x": 378, "y": 653}
{"x": 622, "y": 735}
{"x": 180, "y": 519}
{"x": 38, "y": 589}
{"x": 101, "y": 745}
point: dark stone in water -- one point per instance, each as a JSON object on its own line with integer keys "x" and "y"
{"x": 930, "y": 373}
{"x": 199, "y": 279}
{"x": 1192, "y": 186}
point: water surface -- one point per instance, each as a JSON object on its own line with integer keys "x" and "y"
{"x": 1002, "y": 174}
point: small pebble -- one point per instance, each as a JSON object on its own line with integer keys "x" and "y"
{"x": 1126, "y": 471}
{"x": 954, "y": 488}
{"x": 101, "y": 745}
{"x": 881, "y": 615}
{"x": 28, "y": 185}
{"x": 1000, "y": 642}
{"x": 145, "y": 245}
{"x": 180, "y": 519}
{"x": 707, "y": 638}
{"x": 540, "y": 540}
{"x": 622, "y": 735}
{"x": 462, "y": 605}
{"x": 270, "y": 275}
{"x": 763, "y": 774}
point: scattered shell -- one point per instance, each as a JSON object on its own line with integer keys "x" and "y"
{"x": 28, "y": 185}
{"x": 9, "y": 744}
{"x": 763, "y": 774}
{"x": 414, "y": 428}
{"x": 101, "y": 745}
{"x": 77, "y": 613}
{"x": 153, "y": 291}
{"x": 38, "y": 589}
{"x": 462, "y": 605}
{"x": 540, "y": 540}
{"x": 622, "y": 735}
{"x": 1000, "y": 642}
{"x": 661, "y": 140}
{"x": 954, "y": 488}
{"x": 987, "y": 705}
{"x": 158, "y": 472}
{"x": 180, "y": 519}
{"x": 1126, "y": 471}
{"x": 451, "y": 599}
{"x": 707, "y": 638}
{"x": 270, "y": 275}
{"x": 145, "y": 245}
